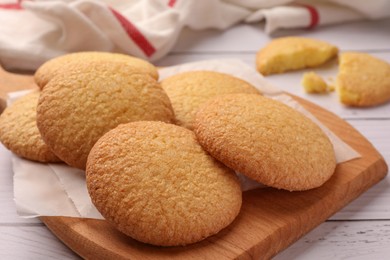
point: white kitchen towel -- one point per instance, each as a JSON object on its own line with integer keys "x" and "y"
{"x": 32, "y": 32}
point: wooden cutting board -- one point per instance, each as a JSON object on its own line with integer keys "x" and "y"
{"x": 12, "y": 82}
{"x": 270, "y": 219}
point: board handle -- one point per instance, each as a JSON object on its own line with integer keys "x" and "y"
{"x": 10, "y": 82}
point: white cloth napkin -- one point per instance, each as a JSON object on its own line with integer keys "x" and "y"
{"x": 59, "y": 190}
{"x": 32, "y": 32}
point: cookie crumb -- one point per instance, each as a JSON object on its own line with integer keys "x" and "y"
{"x": 314, "y": 83}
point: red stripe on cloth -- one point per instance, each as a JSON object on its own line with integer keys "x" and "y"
{"x": 135, "y": 34}
{"x": 314, "y": 15}
{"x": 171, "y": 3}
{"x": 12, "y": 6}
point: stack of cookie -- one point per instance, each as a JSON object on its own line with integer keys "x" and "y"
{"x": 160, "y": 157}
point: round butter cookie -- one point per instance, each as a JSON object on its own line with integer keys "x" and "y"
{"x": 155, "y": 183}
{"x": 265, "y": 140}
{"x": 76, "y": 109}
{"x": 72, "y": 61}
{"x": 19, "y": 132}
{"x": 188, "y": 90}
{"x": 292, "y": 53}
{"x": 363, "y": 80}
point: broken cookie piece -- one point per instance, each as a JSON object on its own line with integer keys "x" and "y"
{"x": 363, "y": 80}
{"x": 293, "y": 53}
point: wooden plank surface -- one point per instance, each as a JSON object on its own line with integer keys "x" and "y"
{"x": 16, "y": 244}
{"x": 270, "y": 220}
{"x": 357, "y": 240}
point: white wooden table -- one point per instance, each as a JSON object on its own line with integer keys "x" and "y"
{"x": 359, "y": 231}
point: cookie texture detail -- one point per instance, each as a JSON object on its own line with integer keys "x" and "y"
{"x": 188, "y": 90}
{"x": 69, "y": 62}
{"x": 155, "y": 183}
{"x": 266, "y": 140}
{"x": 19, "y": 132}
{"x": 76, "y": 109}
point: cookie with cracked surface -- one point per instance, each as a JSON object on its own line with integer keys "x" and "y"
{"x": 188, "y": 90}
{"x": 155, "y": 183}
{"x": 266, "y": 140}
{"x": 70, "y": 62}
{"x": 75, "y": 110}
{"x": 293, "y": 53}
{"x": 19, "y": 132}
{"x": 363, "y": 80}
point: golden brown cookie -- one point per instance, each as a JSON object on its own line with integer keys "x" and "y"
{"x": 155, "y": 183}
{"x": 292, "y": 53}
{"x": 75, "y": 110}
{"x": 69, "y": 62}
{"x": 19, "y": 132}
{"x": 188, "y": 90}
{"x": 363, "y": 80}
{"x": 265, "y": 140}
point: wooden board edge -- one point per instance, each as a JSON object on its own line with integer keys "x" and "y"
{"x": 66, "y": 228}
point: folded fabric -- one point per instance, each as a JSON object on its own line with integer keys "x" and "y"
{"x": 32, "y": 32}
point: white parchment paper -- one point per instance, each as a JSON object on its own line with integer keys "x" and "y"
{"x": 59, "y": 190}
